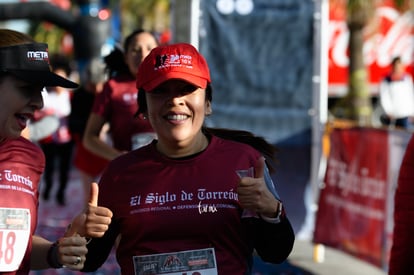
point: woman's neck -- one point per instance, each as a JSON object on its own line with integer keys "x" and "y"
{"x": 177, "y": 150}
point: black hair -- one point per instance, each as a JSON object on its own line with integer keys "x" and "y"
{"x": 115, "y": 63}
{"x": 395, "y": 60}
{"x": 242, "y": 136}
{"x": 129, "y": 38}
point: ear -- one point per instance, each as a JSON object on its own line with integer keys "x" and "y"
{"x": 209, "y": 110}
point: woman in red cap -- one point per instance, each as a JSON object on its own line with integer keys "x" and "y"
{"x": 24, "y": 72}
{"x": 196, "y": 200}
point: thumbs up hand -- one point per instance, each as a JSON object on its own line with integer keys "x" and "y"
{"x": 94, "y": 220}
{"x": 254, "y": 194}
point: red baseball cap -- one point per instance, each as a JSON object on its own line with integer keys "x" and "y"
{"x": 175, "y": 61}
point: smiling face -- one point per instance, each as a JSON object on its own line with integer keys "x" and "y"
{"x": 19, "y": 101}
{"x": 139, "y": 47}
{"x": 176, "y": 110}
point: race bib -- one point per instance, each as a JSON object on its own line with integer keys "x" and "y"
{"x": 14, "y": 237}
{"x": 190, "y": 262}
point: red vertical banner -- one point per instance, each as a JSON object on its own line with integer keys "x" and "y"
{"x": 352, "y": 204}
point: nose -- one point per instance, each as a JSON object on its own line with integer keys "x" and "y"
{"x": 175, "y": 98}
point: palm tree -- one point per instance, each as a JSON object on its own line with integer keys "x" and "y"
{"x": 356, "y": 105}
{"x": 148, "y": 14}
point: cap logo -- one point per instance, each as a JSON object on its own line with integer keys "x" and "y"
{"x": 30, "y": 62}
{"x": 179, "y": 61}
{"x": 38, "y": 55}
{"x": 160, "y": 61}
{"x": 173, "y": 60}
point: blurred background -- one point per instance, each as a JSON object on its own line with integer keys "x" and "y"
{"x": 291, "y": 71}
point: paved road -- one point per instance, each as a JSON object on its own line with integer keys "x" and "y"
{"x": 335, "y": 262}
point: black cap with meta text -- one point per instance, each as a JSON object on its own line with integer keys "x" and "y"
{"x": 30, "y": 62}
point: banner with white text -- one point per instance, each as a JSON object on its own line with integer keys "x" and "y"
{"x": 356, "y": 203}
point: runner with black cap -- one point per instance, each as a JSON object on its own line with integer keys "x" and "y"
{"x": 30, "y": 62}
{"x": 24, "y": 72}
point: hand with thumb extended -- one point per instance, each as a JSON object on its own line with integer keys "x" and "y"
{"x": 94, "y": 220}
{"x": 253, "y": 192}
{"x": 259, "y": 169}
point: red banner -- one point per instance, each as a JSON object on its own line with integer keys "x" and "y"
{"x": 356, "y": 205}
{"x": 352, "y": 205}
{"x": 388, "y": 34}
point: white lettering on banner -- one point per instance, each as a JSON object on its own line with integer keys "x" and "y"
{"x": 379, "y": 48}
{"x": 350, "y": 183}
{"x": 356, "y": 208}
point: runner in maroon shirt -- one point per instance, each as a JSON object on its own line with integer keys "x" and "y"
{"x": 179, "y": 205}
{"x": 25, "y": 70}
{"x": 117, "y": 103}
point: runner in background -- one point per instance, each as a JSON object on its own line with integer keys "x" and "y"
{"x": 58, "y": 146}
{"x": 89, "y": 165}
{"x": 117, "y": 103}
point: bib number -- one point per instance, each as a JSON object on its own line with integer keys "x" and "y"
{"x": 190, "y": 262}
{"x": 14, "y": 237}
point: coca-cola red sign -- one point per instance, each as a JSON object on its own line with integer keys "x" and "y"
{"x": 390, "y": 33}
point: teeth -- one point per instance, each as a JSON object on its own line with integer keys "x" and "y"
{"x": 177, "y": 117}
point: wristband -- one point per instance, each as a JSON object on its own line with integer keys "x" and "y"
{"x": 52, "y": 256}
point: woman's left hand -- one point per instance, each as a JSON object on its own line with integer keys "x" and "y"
{"x": 72, "y": 252}
{"x": 254, "y": 194}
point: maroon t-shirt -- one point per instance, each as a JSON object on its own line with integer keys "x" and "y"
{"x": 169, "y": 205}
{"x": 21, "y": 166}
{"x": 401, "y": 260}
{"x": 117, "y": 103}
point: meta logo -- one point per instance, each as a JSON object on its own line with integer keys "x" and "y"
{"x": 38, "y": 55}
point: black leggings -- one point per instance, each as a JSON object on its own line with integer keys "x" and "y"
{"x": 61, "y": 153}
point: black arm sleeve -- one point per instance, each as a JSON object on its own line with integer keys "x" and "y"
{"x": 273, "y": 242}
{"x": 100, "y": 248}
